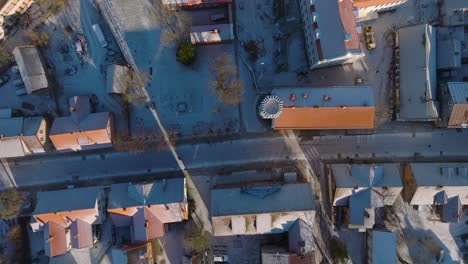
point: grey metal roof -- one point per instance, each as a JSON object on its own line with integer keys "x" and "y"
{"x": 458, "y": 92}
{"x": 333, "y": 96}
{"x": 262, "y": 199}
{"x": 384, "y": 248}
{"x": 417, "y": 46}
{"x": 440, "y": 174}
{"x": 159, "y": 192}
{"x": 67, "y": 200}
{"x": 30, "y": 67}
{"x": 301, "y": 234}
{"x": 350, "y": 176}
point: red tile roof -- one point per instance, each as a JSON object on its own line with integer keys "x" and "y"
{"x": 349, "y": 23}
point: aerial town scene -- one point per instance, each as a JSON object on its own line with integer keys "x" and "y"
{"x": 233, "y": 131}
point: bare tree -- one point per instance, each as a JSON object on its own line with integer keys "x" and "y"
{"x": 5, "y": 58}
{"x": 134, "y": 80}
{"x": 226, "y": 84}
{"x": 39, "y": 39}
{"x": 174, "y": 24}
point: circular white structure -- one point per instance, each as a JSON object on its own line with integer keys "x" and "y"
{"x": 271, "y": 107}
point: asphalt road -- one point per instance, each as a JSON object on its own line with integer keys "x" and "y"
{"x": 435, "y": 145}
{"x": 55, "y": 169}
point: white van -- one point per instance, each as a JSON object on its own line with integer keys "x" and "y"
{"x": 100, "y": 36}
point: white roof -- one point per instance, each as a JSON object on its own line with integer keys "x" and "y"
{"x": 211, "y": 33}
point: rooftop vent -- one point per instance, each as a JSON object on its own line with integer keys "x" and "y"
{"x": 315, "y": 17}
{"x": 326, "y": 98}
{"x": 347, "y": 37}
{"x": 271, "y": 107}
{"x": 317, "y": 34}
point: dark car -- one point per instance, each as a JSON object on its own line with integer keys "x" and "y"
{"x": 4, "y": 79}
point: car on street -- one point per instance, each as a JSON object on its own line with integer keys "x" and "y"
{"x": 220, "y": 258}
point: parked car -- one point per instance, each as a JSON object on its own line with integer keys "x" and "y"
{"x": 4, "y": 79}
{"x": 100, "y": 36}
{"x": 369, "y": 38}
{"x": 220, "y": 258}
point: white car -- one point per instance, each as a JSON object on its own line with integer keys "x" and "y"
{"x": 220, "y": 258}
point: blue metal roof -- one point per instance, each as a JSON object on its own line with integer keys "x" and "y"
{"x": 458, "y": 92}
{"x": 384, "y": 248}
{"x": 333, "y": 96}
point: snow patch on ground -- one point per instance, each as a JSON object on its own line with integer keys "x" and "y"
{"x": 422, "y": 237}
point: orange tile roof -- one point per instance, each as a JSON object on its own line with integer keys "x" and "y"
{"x": 70, "y": 140}
{"x": 55, "y": 239}
{"x": 325, "y": 118}
{"x": 349, "y": 23}
{"x": 64, "y": 219}
{"x": 367, "y": 3}
{"x": 120, "y": 211}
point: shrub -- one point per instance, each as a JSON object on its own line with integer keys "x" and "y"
{"x": 39, "y": 39}
{"x": 5, "y": 58}
{"x": 185, "y": 53}
{"x": 338, "y": 250}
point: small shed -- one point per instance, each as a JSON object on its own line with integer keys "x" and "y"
{"x": 116, "y": 79}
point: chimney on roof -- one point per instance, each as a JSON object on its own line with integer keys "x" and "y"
{"x": 72, "y": 109}
{"x": 292, "y": 97}
{"x": 146, "y": 224}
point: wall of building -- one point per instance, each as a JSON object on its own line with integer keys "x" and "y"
{"x": 459, "y": 116}
{"x": 15, "y": 6}
{"x": 364, "y": 11}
